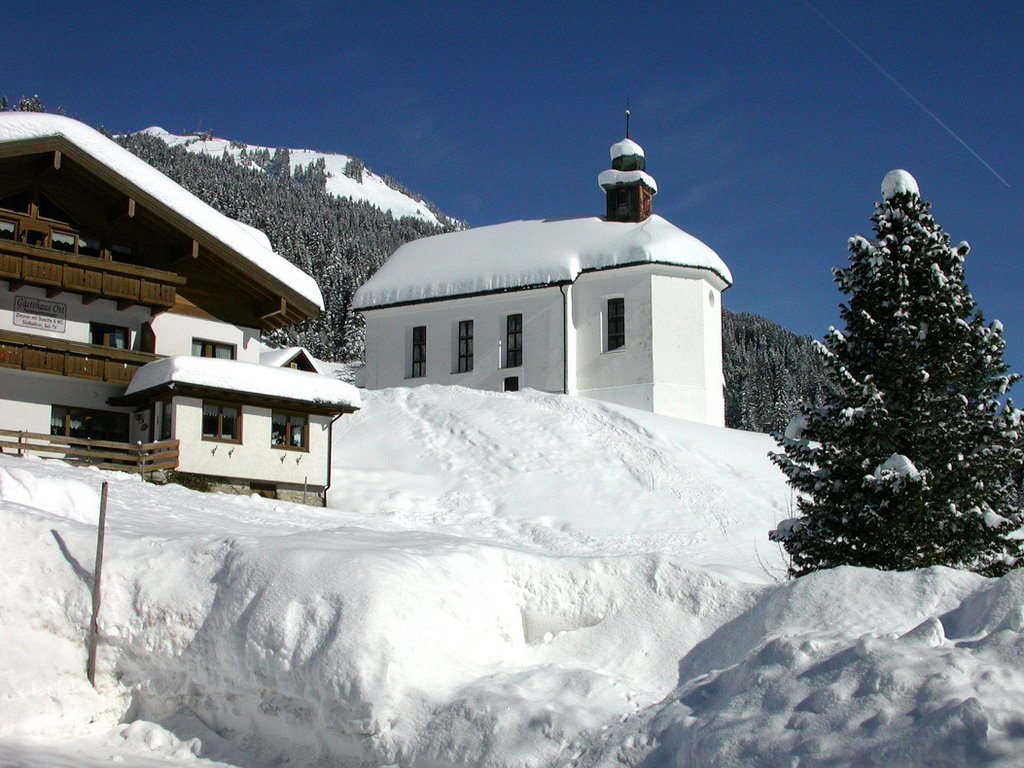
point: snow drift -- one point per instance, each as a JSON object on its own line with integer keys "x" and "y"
{"x": 503, "y": 580}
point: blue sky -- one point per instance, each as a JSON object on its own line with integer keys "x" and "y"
{"x": 767, "y": 126}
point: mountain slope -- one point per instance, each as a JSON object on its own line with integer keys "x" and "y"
{"x": 345, "y": 175}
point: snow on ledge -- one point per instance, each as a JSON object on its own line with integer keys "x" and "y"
{"x": 613, "y": 178}
{"x": 249, "y": 243}
{"x": 248, "y": 378}
{"x": 625, "y": 148}
{"x": 528, "y": 254}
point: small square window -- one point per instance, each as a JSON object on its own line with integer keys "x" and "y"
{"x": 8, "y": 229}
{"x": 105, "y": 335}
{"x": 289, "y": 430}
{"x": 222, "y": 422}
{"x": 63, "y": 241}
{"x": 204, "y": 348}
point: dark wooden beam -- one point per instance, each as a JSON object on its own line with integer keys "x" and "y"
{"x": 52, "y": 292}
{"x": 273, "y": 309}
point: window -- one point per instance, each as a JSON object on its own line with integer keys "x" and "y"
{"x": 121, "y": 252}
{"x": 616, "y": 324}
{"x": 622, "y": 202}
{"x": 63, "y": 241}
{"x": 204, "y": 348}
{"x": 67, "y": 421}
{"x": 108, "y": 335}
{"x": 289, "y": 430}
{"x": 465, "y": 362}
{"x": 89, "y": 246}
{"x": 8, "y": 229}
{"x": 513, "y": 341}
{"x": 222, "y": 422}
{"x": 511, "y": 383}
{"x": 165, "y": 420}
{"x": 419, "y": 352}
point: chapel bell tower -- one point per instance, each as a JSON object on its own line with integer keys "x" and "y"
{"x": 628, "y": 188}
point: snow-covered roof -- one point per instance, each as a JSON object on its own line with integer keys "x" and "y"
{"x": 277, "y": 358}
{"x": 898, "y": 181}
{"x": 625, "y": 148}
{"x": 253, "y": 248}
{"x": 247, "y": 378}
{"x": 613, "y": 178}
{"x": 524, "y": 254}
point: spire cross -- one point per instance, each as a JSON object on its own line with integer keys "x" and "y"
{"x": 627, "y": 119}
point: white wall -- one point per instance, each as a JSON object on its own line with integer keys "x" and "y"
{"x": 254, "y": 458}
{"x": 78, "y": 315}
{"x": 623, "y": 375}
{"x": 25, "y": 399}
{"x": 174, "y": 334}
{"x": 389, "y": 341}
{"x": 671, "y": 362}
{"x": 687, "y": 337}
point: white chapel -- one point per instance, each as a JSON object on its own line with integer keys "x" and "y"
{"x": 624, "y": 308}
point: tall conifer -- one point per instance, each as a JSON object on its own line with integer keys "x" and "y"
{"x": 912, "y": 462}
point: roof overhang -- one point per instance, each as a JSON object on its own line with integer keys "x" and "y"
{"x": 290, "y": 306}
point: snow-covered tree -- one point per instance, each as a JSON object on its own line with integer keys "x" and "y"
{"x": 913, "y": 462}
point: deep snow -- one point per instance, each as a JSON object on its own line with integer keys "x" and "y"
{"x": 501, "y": 580}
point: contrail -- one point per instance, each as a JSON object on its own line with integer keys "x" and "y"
{"x": 909, "y": 95}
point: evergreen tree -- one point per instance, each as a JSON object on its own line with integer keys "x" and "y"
{"x": 912, "y": 463}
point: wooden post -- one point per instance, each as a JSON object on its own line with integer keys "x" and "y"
{"x": 141, "y": 459}
{"x": 20, "y": 438}
{"x": 90, "y": 664}
{"x": 305, "y": 482}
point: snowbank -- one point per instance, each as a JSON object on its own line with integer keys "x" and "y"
{"x": 444, "y": 613}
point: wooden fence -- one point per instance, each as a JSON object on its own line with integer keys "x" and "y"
{"x": 143, "y": 458}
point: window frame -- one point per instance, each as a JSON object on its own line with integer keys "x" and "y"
{"x": 211, "y": 345}
{"x": 464, "y": 347}
{"x": 514, "y": 340}
{"x": 88, "y": 413}
{"x": 166, "y": 420}
{"x": 220, "y": 405}
{"x": 418, "y": 348}
{"x": 615, "y": 324}
{"x": 288, "y": 415}
{"x": 105, "y": 333}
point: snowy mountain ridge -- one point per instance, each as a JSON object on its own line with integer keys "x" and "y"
{"x": 521, "y": 580}
{"x": 364, "y": 185}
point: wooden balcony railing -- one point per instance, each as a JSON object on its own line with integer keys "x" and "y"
{"x": 88, "y": 275}
{"x": 41, "y": 354}
{"x": 143, "y": 458}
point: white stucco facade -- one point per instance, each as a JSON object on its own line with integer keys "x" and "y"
{"x": 254, "y": 457}
{"x": 670, "y": 362}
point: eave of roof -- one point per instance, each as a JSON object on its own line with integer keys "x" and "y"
{"x": 27, "y": 133}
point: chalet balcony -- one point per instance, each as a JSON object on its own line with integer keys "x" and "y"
{"x": 92, "y": 277}
{"x": 41, "y": 354}
{"x": 141, "y": 458}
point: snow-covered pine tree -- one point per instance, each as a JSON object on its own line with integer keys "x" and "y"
{"x": 912, "y": 463}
